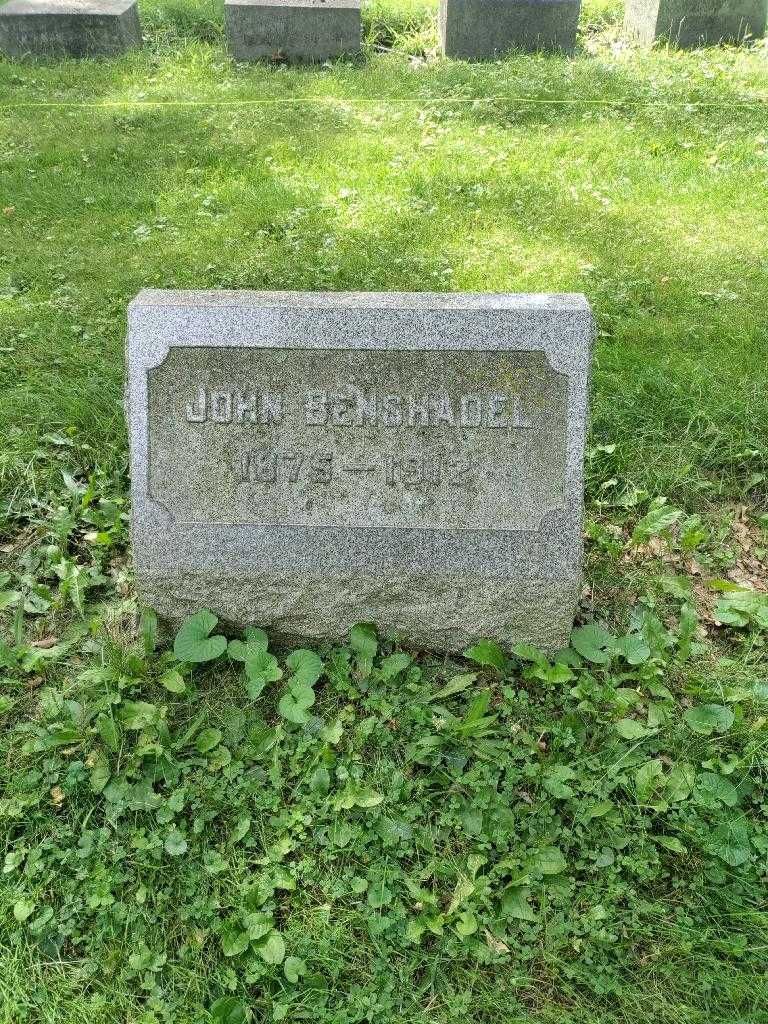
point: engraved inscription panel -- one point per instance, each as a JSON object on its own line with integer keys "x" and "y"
{"x": 357, "y": 438}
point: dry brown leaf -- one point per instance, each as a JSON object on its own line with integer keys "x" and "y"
{"x": 46, "y": 643}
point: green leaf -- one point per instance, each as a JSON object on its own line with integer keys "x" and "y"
{"x": 273, "y": 950}
{"x": 679, "y": 783}
{"x": 320, "y": 781}
{"x": 365, "y": 643}
{"x": 368, "y": 798}
{"x": 292, "y": 711}
{"x": 515, "y": 904}
{"x": 228, "y": 1010}
{"x": 208, "y": 739}
{"x": 670, "y": 843}
{"x": 549, "y": 861}
{"x": 648, "y": 778}
{"x": 149, "y": 631}
{"x": 241, "y": 829}
{"x": 256, "y": 643}
{"x": 466, "y": 924}
{"x": 332, "y": 733}
{"x": 629, "y": 729}
{"x": 293, "y": 968}
{"x": 457, "y": 684}
{"x": 307, "y": 667}
{"x": 234, "y": 940}
{"x": 730, "y": 842}
{"x": 108, "y": 731}
{"x": 593, "y": 643}
{"x": 173, "y": 681}
{"x": 707, "y": 719}
{"x": 193, "y": 641}
{"x": 659, "y": 518}
{"x": 175, "y": 844}
{"x": 258, "y": 925}
{"x": 138, "y": 714}
{"x": 488, "y": 653}
{"x": 633, "y": 648}
{"x": 23, "y": 909}
{"x": 555, "y": 779}
{"x": 527, "y": 652}
{"x": 742, "y": 608}
{"x": 716, "y": 789}
{"x": 261, "y": 669}
{"x": 8, "y": 598}
{"x": 100, "y": 772}
{"x": 598, "y": 809}
{"x": 395, "y": 664}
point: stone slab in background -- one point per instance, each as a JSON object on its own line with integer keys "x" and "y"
{"x": 68, "y": 28}
{"x": 487, "y": 29}
{"x": 308, "y": 461}
{"x": 691, "y": 23}
{"x": 293, "y": 30}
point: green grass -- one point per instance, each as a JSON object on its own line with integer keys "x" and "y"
{"x": 638, "y": 178}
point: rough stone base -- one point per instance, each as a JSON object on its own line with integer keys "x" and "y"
{"x": 293, "y": 30}
{"x": 486, "y": 29}
{"x": 68, "y": 28}
{"x": 691, "y": 23}
{"x": 433, "y": 613}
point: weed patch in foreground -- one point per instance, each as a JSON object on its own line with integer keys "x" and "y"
{"x": 221, "y": 830}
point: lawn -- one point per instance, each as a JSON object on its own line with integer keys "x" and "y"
{"x": 413, "y": 840}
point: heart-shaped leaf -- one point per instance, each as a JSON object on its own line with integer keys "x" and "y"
{"x": 293, "y": 968}
{"x": 175, "y": 843}
{"x": 292, "y": 711}
{"x": 193, "y": 641}
{"x": 593, "y": 643}
{"x": 634, "y": 648}
{"x": 255, "y": 643}
{"x": 306, "y": 666}
{"x": 261, "y": 669}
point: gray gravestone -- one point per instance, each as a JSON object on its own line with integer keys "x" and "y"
{"x": 690, "y": 23}
{"x": 486, "y": 29}
{"x": 68, "y": 28}
{"x": 293, "y": 30}
{"x": 308, "y": 461}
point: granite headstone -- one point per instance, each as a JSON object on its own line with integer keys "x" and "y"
{"x": 306, "y": 461}
{"x": 292, "y": 30}
{"x": 691, "y": 23}
{"x": 487, "y": 29}
{"x": 68, "y": 28}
